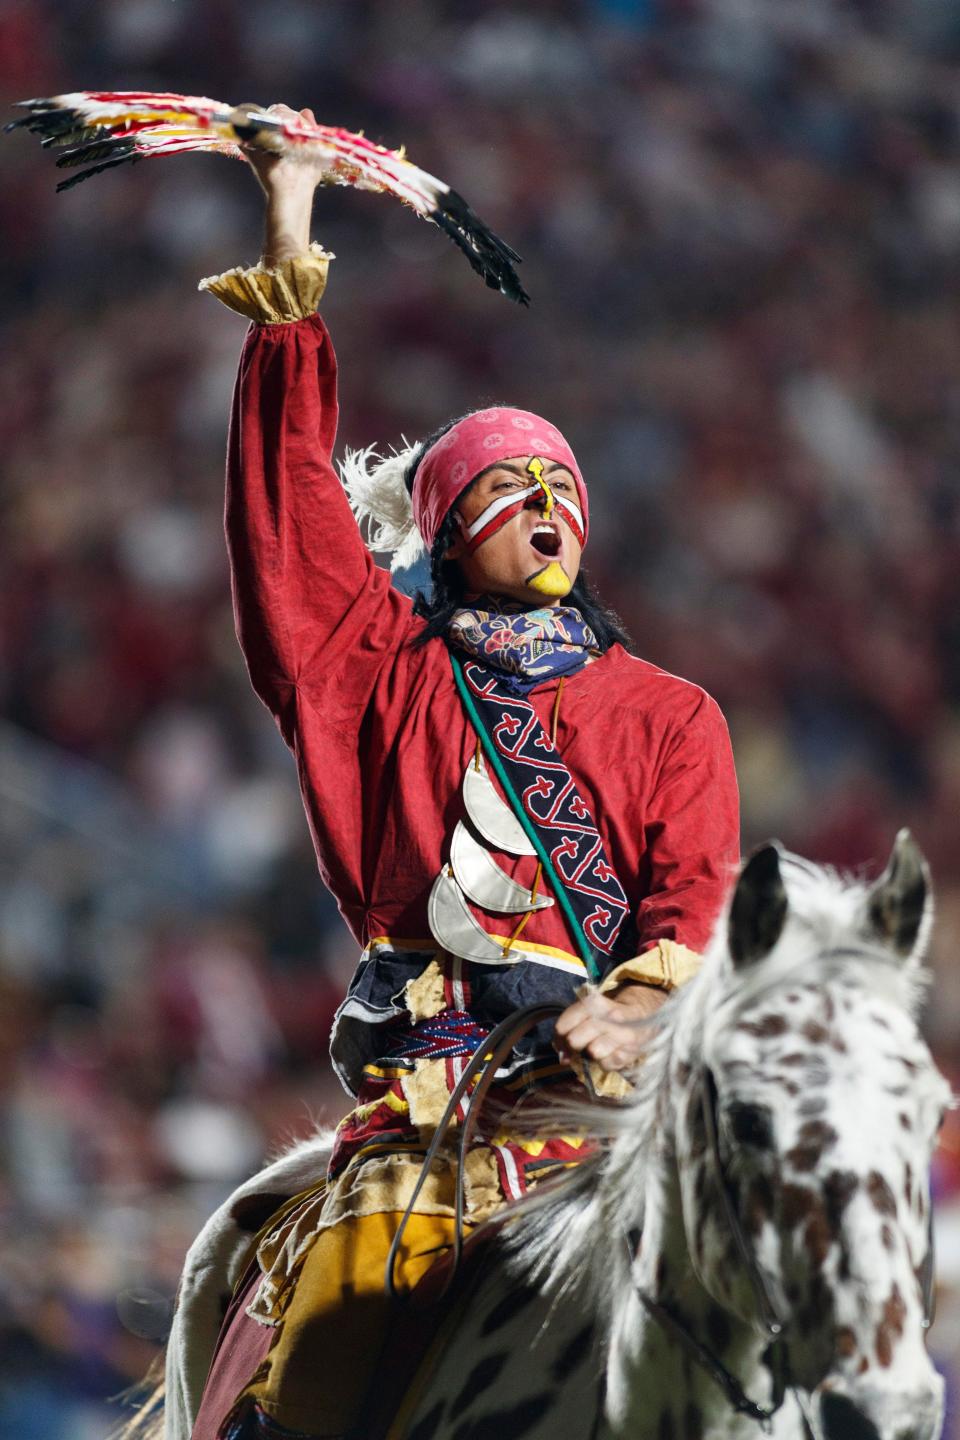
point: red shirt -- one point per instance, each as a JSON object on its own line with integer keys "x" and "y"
{"x": 379, "y": 735}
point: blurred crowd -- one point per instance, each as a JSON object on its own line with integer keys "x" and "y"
{"x": 741, "y": 224}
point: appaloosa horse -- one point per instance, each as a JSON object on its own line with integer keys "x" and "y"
{"x": 751, "y": 1245}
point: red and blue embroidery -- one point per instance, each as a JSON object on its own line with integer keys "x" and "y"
{"x": 452, "y": 1032}
{"x": 556, "y": 809}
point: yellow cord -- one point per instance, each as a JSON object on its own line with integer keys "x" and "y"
{"x": 517, "y": 933}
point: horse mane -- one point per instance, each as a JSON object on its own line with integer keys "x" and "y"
{"x": 570, "y": 1237}
{"x": 567, "y": 1235}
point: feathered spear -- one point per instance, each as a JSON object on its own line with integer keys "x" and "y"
{"x": 100, "y": 129}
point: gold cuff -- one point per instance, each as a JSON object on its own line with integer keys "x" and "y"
{"x": 666, "y": 966}
{"x": 277, "y": 294}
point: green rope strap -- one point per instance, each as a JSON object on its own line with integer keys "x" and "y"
{"x": 580, "y": 939}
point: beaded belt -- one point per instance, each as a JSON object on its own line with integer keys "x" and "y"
{"x": 441, "y": 1037}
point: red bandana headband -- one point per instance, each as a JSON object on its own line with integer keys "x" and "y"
{"x": 473, "y": 445}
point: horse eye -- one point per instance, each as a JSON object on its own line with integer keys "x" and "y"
{"x": 751, "y": 1125}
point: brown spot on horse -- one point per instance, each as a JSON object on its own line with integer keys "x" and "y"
{"x": 845, "y": 1342}
{"x": 817, "y": 1237}
{"x": 890, "y": 1327}
{"x": 881, "y": 1196}
{"x": 759, "y": 1204}
{"x": 767, "y": 1028}
{"x": 814, "y": 1137}
{"x": 839, "y": 1188}
{"x": 796, "y": 1203}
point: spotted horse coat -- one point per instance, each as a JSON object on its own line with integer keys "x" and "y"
{"x": 827, "y": 1105}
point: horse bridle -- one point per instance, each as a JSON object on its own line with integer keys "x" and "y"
{"x": 771, "y": 1315}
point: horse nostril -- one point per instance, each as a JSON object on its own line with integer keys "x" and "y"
{"x": 843, "y": 1421}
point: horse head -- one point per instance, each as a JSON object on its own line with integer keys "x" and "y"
{"x": 803, "y": 1105}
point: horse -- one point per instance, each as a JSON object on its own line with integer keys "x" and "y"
{"x": 751, "y": 1242}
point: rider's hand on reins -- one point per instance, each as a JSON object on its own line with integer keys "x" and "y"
{"x": 609, "y": 1028}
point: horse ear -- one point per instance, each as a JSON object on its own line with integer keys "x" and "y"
{"x": 758, "y": 908}
{"x": 897, "y": 903}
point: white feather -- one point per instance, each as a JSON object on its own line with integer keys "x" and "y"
{"x": 378, "y": 496}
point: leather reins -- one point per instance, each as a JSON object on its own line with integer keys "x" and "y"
{"x": 485, "y": 1062}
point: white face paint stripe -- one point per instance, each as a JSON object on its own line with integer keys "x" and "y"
{"x": 516, "y": 497}
{"x": 495, "y": 507}
{"x": 576, "y": 517}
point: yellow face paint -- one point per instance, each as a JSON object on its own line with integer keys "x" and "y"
{"x": 552, "y": 581}
{"x": 535, "y": 468}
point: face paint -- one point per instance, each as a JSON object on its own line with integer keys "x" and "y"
{"x": 552, "y": 581}
{"x": 535, "y": 468}
{"x": 505, "y": 507}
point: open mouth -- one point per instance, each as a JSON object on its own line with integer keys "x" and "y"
{"x": 546, "y": 541}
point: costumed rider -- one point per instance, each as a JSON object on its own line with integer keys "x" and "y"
{"x": 411, "y": 725}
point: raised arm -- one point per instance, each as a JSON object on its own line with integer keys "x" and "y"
{"x": 313, "y": 611}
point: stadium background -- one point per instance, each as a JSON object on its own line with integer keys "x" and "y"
{"x": 741, "y": 220}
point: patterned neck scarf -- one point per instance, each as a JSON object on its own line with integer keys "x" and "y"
{"x": 526, "y": 647}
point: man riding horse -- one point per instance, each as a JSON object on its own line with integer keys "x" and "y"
{"x": 505, "y": 803}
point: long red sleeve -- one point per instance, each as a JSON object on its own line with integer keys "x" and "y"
{"x": 312, "y": 608}
{"x": 317, "y": 620}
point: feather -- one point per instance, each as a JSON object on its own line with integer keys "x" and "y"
{"x": 110, "y": 127}
{"x": 126, "y": 157}
{"x": 378, "y": 495}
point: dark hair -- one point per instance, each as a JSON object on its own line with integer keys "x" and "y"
{"x": 447, "y": 586}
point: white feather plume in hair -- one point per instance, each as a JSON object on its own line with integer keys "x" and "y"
{"x": 376, "y": 488}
